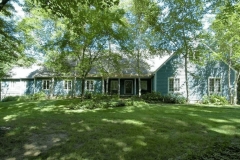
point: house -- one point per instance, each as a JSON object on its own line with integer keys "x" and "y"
{"x": 166, "y": 75}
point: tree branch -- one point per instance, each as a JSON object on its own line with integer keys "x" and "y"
{"x": 2, "y": 4}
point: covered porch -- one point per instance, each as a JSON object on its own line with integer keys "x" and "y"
{"x": 127, "y": 86}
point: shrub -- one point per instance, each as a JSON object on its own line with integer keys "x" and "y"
{"x": 10, "y": 98}
{"x": 101, "y": 97}
{"x": 214, "y": 99}
{"x": 169, "y": 98}
{"x": 174, "y": 98}
{"x": 120, "y": 104}
{"x": 154, "y": 96}
{"x": 25, "y": 98}
{"x": 39, "y": 96}
{"x": 88, "y": 95}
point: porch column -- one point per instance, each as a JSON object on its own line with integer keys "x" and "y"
{"x": 119, "y": 86}
{"x": 135, "y": 86}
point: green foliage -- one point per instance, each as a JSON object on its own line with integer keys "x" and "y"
{"x": 11, "y": 48}
{"x": 25, "y": 98}
{"x": 214, "y": 99}
{"x": 36, "y": 96}
{"x": 10, "y": 98}
{"x": 154, "y": 96}
{"x": 95, "y": 101}
{"x": 169, "y": 98}
{"x": 39, "y": 96}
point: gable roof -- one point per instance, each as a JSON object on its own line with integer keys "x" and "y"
{"x": 155, "y": 63}
{"x": 24, "y": 72}
{"x": 158, "y": 61}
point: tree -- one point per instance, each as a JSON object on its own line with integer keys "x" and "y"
{"x": 80, "y": 41}
{"x": 142, "y": 16}
{"x": 2, "y": 4}
{"x": 226, "y": 28}
{"x": 11, "y": 48}
{"x": 179, "y": 28}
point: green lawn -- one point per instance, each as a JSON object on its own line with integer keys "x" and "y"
{"x": 49, "y": 130}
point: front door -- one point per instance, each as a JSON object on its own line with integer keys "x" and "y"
{"x": 128, "y": 87}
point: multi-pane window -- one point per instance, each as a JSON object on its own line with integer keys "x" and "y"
{"x": 67, "y": 84}
{"x": 144, "y": 85}
{"x": 46, "y": 84}
{"x": 13, "y": 84}
{"x": 173, "y": 84}
{"x": 90, "y": 85}
{"x": 214, "y": 85}
{"x": 114, "y": 85}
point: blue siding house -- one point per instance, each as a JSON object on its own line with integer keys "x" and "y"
{"x": 166, "y": 75}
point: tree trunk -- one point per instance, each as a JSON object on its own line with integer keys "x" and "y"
{"x": 74, "y": 87}
{"x": 52, "y": 88}
{"x": 186, "y": 75}
{"x": 138, "y": 72}
{"x": 107, "y": 81}
{"x": 235, "y": 93}
{"x": 186, "y": 65}
{"x": 230, "y": 95}
{"x": 0, "y": 90}
{"x": 139, "y": 88}
{"x": 83, "y": 88}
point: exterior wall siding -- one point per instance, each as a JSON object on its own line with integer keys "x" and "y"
{"x": 16, "y": 87}
{"x": 172, "y": 68}
{"x": 198, "y": 77}
{"x": 19, "y": 87}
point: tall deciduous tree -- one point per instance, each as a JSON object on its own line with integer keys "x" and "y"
{"x": 226, "y": 28}
{"x": 180, "y": 25}
{"x": 142, "y": 15}
{"x": 83, "y": 36}
{"x": 11, "y": 48}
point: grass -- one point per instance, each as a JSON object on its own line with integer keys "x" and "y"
{"x": 50, "y": 130}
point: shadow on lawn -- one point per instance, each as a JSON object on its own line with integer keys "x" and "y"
{"x": 47, "y": 130}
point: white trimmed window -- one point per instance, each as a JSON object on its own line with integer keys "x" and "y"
{"x": 89, "y": 85}
{"x": 46, "y": 84}
{"x": 12, "y": 84}
{"x": 144, "y": 85}
{"x": 68, "y": 84}
{"x": 214, "y": 85}
{"x": 173, "y": 84}
{"x": 114, "y": 85}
